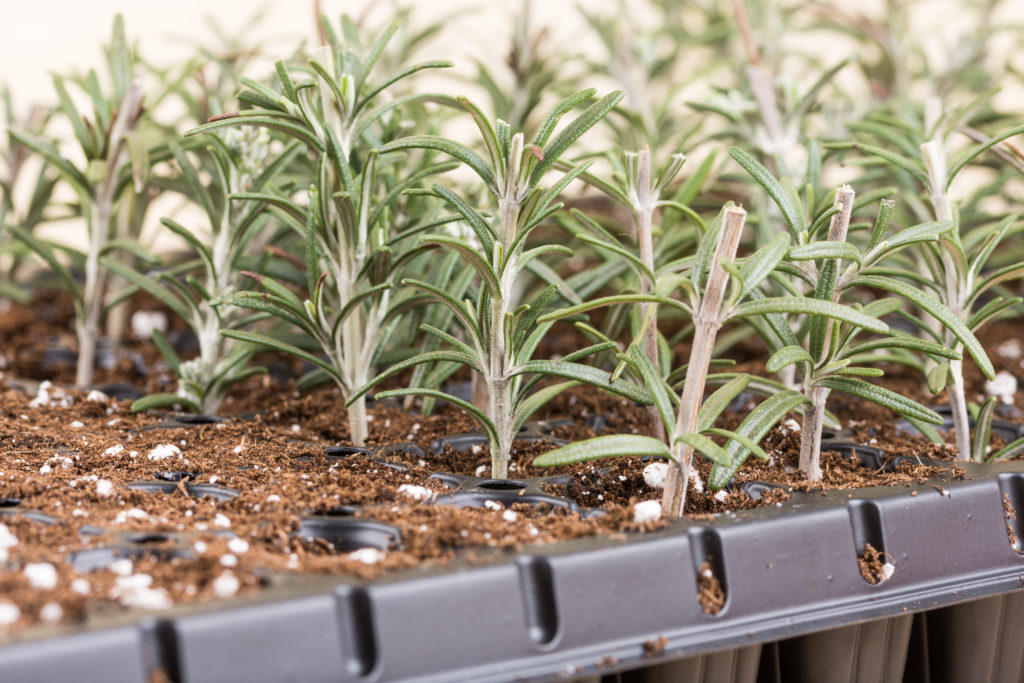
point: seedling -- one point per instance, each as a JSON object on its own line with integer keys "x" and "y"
{"x": 237, "y": 233}
{"x": 689, "y": 421}
{"x": 499, "y": 336}
{"x": 116, "y": 162}
{"x": 351, "y": 262}
{"x": 956, "y": 262}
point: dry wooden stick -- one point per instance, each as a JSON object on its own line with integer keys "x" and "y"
{"x": 707, "y": 323}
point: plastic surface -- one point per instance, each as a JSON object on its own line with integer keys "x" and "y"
{"x": 587, "y": 608}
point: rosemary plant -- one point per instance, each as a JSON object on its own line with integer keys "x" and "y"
{"x": 954, "y": 266}
{"x": 350, "y": 263}
{"x": 689, "y": 420}
{"x": 12, "y": 179}
{"x": 116, "y": 159}
{"x": 824, "y": 352}
{"x": 237, "y": 233}
{"x": 500, "y": 335}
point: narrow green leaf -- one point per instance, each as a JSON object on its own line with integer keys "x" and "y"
{"x": 749, "y": 444}
{"x": 572, "y": 132}
{"x": 718, "y": 401}
{"x": 909, "y": 343}
{"x": 1008, "y": 452}
{"x": 431, "y": 357}
{"x": 883, "y": 397}
{"x": 787, "y": 355}
{"x": 974, "y": 153}
{"x": 274, "y": 343}
{"x": 938, "y": 311}
{"x": 763, "y": 263}
{"x": 825, "y": 250}
{"x": 449, "y": 147}
{"x": 478, "y": 415}
{"x": 163, "y": 401}
{"x": 586, "y": 374}
{"x": 705, "y": 446}
{"x": 754, "y": 427}
{"x": 655, "y": 384}
{"x": 532, "y": 403}
{"x": 794, "y": 218}
{"x": 614, "y": 446}
{"x": 808, "y": 306}
{"x": 163, "y": 344}
{"x": 983, "y": 430}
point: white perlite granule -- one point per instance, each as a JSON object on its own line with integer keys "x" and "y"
{"x": 888, "y": 569}
{"x": 238, "y": 546}
{"x": 1011, "y": 348}
{"x": 104, "y": 488}
{"x": 51, "y": 613}
{"x": 655, "y": 474}
{"x": 647, "y": 511}
{"x": 367, "y": 555}
{"x": 164, "y": 451}
{"x": 225, "y": 585}
{"x": 135, "y": 591}
{"x": 41, "y": 575}
{"x": 7, "y": 540}
{"x": 1003, "y": 386}
{"x": 415, "y": 492}
{"x": 144, "y": 322}
{"x": 695, "y": 483}
{"x": 9, "y": 613}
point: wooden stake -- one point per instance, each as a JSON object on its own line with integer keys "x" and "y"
{"x": 707, "y": 324}
{"x": 814, "y": 413}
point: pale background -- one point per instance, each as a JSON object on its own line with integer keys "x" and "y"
{"x": 45, "y": 36}
{"x": 41, "y": 36}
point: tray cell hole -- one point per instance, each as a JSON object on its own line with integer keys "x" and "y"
{"x": 146, "y": 539}
{"x": 345, "y": 451}
{"x": 874, "y": 562}
{"x": 502, "y": 485}
{"x": 709, "y": 569}
{"x": 536, "y": 582}
{"x": 358, "y": 631}
{"x": 1011, "y": 487}
{"x": 160, "y": 645}
{"x": 9, "y": 502}
{"x": 190, "y": 419}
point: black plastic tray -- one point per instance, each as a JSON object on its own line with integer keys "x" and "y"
{"x": 580, "y": 609}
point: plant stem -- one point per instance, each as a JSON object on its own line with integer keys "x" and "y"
{"x": 761, "y": 85}
{"x": 935, "y": 160}
{"x": 643, "y": 217}
{"x": 706, "y": 326}
{"x": 814, "y": 414}
{"x": 88, "y": 323}
{"x": 498, "y": 366}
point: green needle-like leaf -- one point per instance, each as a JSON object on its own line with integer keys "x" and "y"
{"x": 883, "y": 397}
{"x": 794, "y": 218}
{"x": 808, "y": 306}
{"x": 705, "y": 446}
{"x": 938, "y": 311}
{"x": 787, "y": 355}
{"x": 615, "y": 446}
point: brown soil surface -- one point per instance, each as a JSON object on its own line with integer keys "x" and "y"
{"x": 74, "y": 460}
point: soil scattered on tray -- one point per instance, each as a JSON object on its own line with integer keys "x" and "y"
{"x": 875, "y": 566}
{"x": 710, "y": 594}
{"x": 79, "y": 539}
{"x": 1011, "y": 515}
